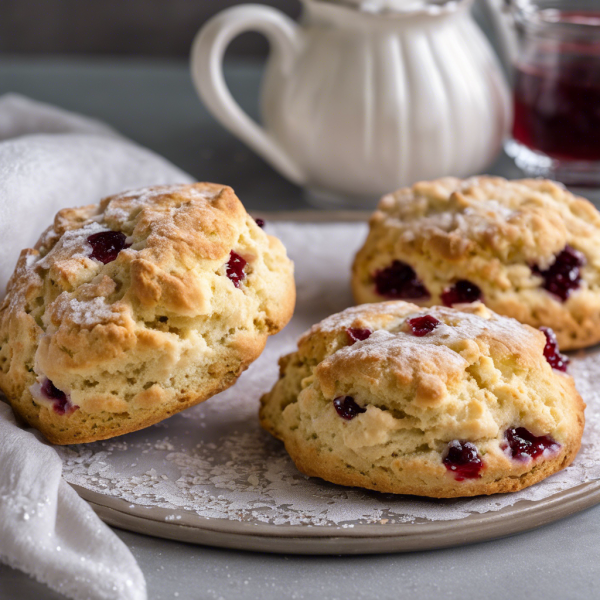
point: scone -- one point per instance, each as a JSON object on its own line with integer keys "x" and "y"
{"x": 528, "y": 249}
{"x": 135, "y": 309}
{"x": 435, "y": 402}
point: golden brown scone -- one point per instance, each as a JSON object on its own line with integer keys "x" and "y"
{"x": 434, "y": 402}
{"x": 528, "y": 249}
{"x": 130, "y": 311}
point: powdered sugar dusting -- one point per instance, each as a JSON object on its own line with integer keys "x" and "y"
{"x": 414, "y": 349}
{"x": 141, "y": 198}
{"x": 214, "y": 461}
{"x": 89, "y": 313}
{"x": 346, "y": 318}
{"x": 465, "y": 325}
{"x": 73, "y": 243}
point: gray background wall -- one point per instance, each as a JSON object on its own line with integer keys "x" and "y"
{"x": 151, "y": 28}
{"x": 123, "y": 27}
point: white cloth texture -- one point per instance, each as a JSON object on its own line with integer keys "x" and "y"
{"x": 51, "y": 159}
{"x": 49, "y": 532}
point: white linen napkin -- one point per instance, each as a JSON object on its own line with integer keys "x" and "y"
{"x": 51, "y": 159}
{"x": 49, "y": 532}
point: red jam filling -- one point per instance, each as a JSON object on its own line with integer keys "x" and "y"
{"x": 106, "y": 245}
{"x": 399, "y": 281}
{"x": 235, "y": 269}
{"x": 557, "y": 361}
{"x": 564, "y": 275}
{"x": 525, "y": 446}
{"x": 61, "y": 401}
{"x": 421, "y": 326}
{"x": 347, "y": 408}
{"x": 463, "y": 460}
{"x": 462, "y": 292}
{"x": 357, "y": 334}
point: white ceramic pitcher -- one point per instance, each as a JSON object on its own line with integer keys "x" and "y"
{"x": 356, "y": 104}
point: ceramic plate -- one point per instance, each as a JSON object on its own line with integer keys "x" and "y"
{"x": 210, "y": 475}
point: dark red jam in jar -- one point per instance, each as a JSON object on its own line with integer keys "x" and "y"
{"x": 557, "y": 87}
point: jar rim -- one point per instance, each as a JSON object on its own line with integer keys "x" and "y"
{"x": 569, "y": 21}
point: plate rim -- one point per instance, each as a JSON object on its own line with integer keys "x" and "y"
{"x": 522, "y": 516}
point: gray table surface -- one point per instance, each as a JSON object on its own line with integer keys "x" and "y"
{"x": 154, "y": 104}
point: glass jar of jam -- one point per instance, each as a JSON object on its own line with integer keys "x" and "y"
{"x": 556, "y": 131}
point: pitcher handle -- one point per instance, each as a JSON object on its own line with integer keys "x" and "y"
{"x": 207, "y": 55}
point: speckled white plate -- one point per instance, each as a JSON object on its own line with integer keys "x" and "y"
{"x": 211, "y": 476}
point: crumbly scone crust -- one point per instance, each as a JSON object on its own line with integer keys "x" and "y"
{"x": 490, "y": 231}
{"x": 471, "y": 379}
{"x": 157, "y": 330}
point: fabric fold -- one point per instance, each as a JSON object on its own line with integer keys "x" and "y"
{"x": 49, "y": 532}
